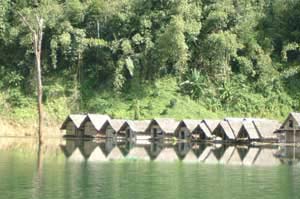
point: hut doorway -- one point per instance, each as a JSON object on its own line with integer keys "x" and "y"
{"x": 154, "y": 133}
{"x": 128, "y": 133}
{"x": 182, "y": 135}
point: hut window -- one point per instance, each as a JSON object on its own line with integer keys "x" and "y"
{"x": 291, "y": 125}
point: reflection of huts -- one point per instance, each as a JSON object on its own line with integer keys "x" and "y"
{"x": 190, "y": 157}
{"x": 115, "y": 154}
{"x": 168, "y": 154}
{"x": 205, "y": 153}
{"x": 93, "y": 124}
{"x": 162, "y": 128}
{"x": 107, "y": 146}
{"x": 251, "y": 156}
{"x": 138, "y": 153}
{"x": 204, "y": 129}
{"x": 235, "y": 158}
{"x": 228, "y": 129}
{"x": 69, "y": 147}
{"x": 76, "y": 156}
{"x": 258, "y": 130}
{"x": 185, "y": 128}
{"x": 97, "y": 155}
{"x": 110, "y": 128}
{"x": 182, "y": 148}
{"x": 154, "y": 148}
{"x": 266, "y": 157}
{"x": 211, "y": 158}
{"x": 72, "y": 125}
{"x": 87, "y": 148}
{"x": 290, "y": 130}
{"x": 134, "y": 129}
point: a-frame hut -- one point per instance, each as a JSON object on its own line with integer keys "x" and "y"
{"x": 71, "y": 125}
{"x": 228, "y": 129}
{"x": 93, "y": 124}
{"x": 257, "y": 129}
{"x": 162, "y": 128}
{"x": 248, "y": 132}
{"x": 111, "y": 127}
{"x": 290, "y": 129}
{"x": 204, "y": 129}
{"x": 134, "y": 130}
{"x": 185, "y": 128}
{"x": 266, "y": 129}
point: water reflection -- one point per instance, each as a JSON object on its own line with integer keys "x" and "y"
{"x": 104, "y": 150}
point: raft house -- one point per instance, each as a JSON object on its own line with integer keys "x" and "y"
{"x": 160, "y": 128}
{"x": 227, "y": 130}
{"x": 93, "y": 123}
{"x": 71, "y": 125}
{"x": 134, "y": 129}
{"x": 289, "y": 131}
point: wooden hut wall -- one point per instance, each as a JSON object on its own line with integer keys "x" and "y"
{"x": 291, "y": 123}
{"x": 182, "y": 132}
{"x": 70, "y": 128}
{"x": 292, "y": 136}
{"x": 89, "y": 129}
{"x": 108, "y": 131}
{"x": 155, "y": 131}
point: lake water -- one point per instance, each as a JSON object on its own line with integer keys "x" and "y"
{"x": 106, "y": 169}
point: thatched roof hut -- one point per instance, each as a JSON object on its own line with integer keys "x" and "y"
{"x": 211, "y": 124}
{"x": 110, "y": 128}
{"x": 185, "y": 128}
{"x": 161, "y": 127}
{"x": 266, "y": 128}
{"x": 76, "y": 119}
{"x": 116, "y": 124}
{"x": 72, "y": 123}
{"x": 167, "y": 125}
{"x": 189, "y": 124}
{"x": 229, "y": 128}
{"x": 205, "y": 128}
{"x": 291, "y": 122}
{"x": 93, "y": 123}
{"x": 139, "y": 126}
{"x": 131, "y": 128}
{"x": 224, "y": 131}
{"x": 248, "y": 131}
{"x": 290, "y": 129}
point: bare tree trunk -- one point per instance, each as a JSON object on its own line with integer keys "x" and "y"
{"x": 38, "y": 37}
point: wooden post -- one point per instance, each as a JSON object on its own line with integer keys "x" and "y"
{"x": 294, "y": 135}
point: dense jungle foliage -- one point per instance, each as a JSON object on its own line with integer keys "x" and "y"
{"x": 153, "y": 58}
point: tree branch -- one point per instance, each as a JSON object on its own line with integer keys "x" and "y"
{"x": 26, "y": 22}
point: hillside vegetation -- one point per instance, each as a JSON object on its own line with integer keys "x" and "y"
{"x": 143, "y": 59}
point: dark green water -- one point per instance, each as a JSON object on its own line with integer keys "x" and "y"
{"x": 71, "y": 170}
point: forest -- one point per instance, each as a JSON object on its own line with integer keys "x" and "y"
{"x": 152, "y": 58}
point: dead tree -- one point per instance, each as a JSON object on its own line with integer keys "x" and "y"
{"x": 36, "y": 30}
